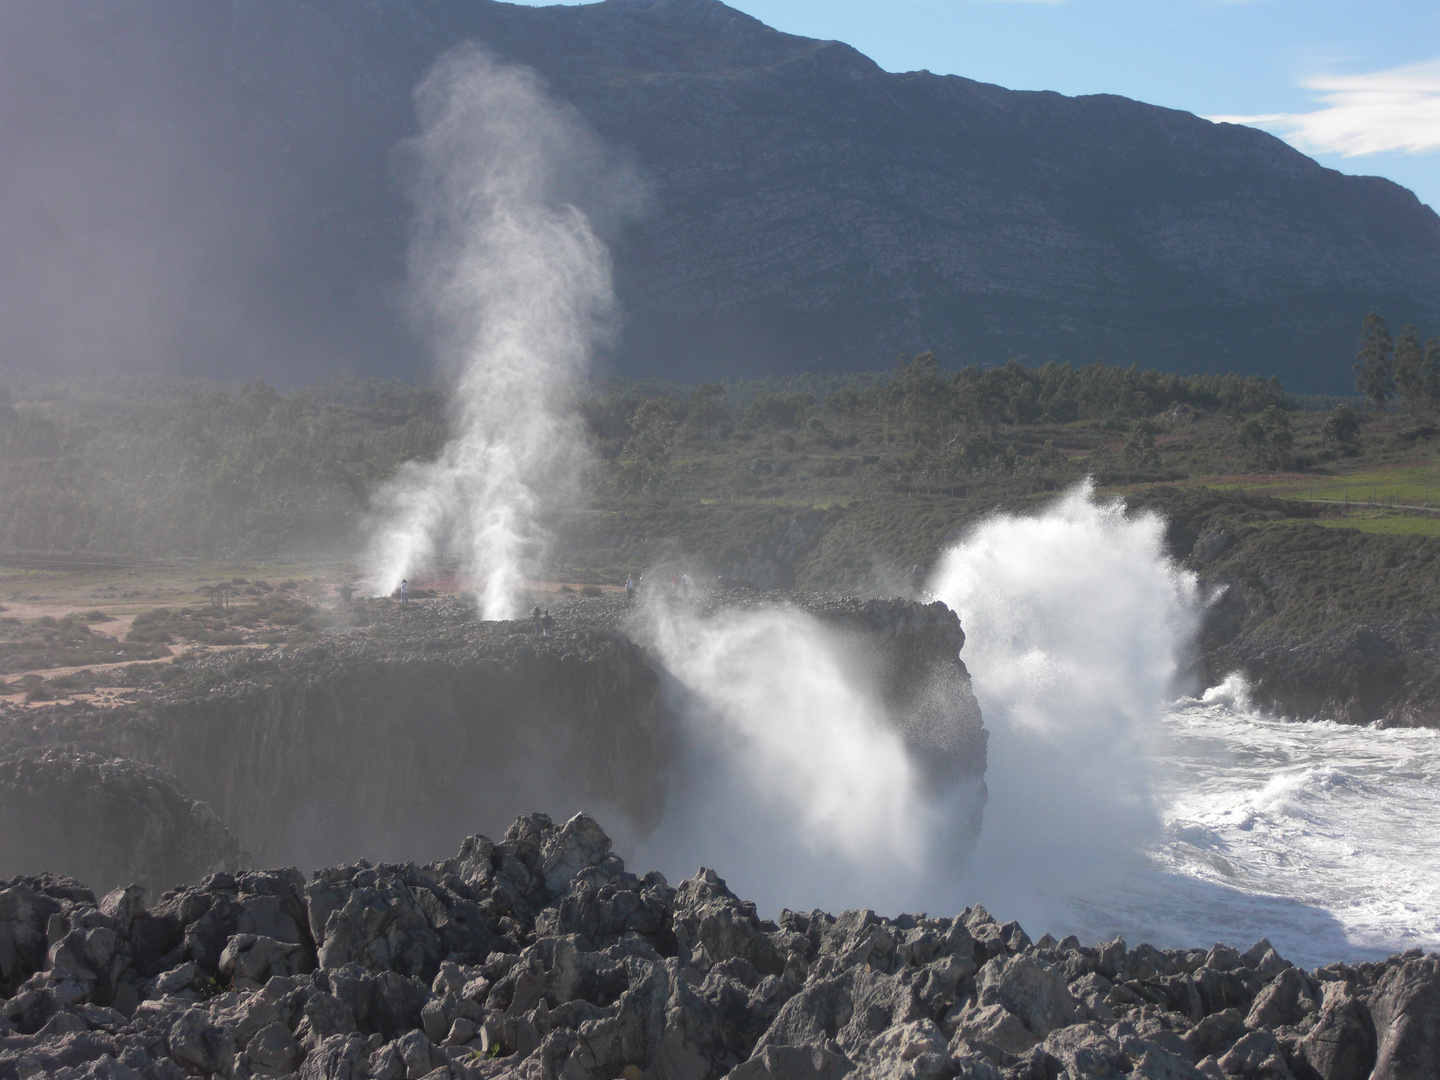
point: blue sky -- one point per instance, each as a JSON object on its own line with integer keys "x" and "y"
{"x": 1354, "y": 84}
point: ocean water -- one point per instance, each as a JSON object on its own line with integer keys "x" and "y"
{"x": 1324, "y": 838}
{"x": 1115, "y": 808}
{"x": 1110, "y": 807}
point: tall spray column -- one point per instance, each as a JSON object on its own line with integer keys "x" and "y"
{"x": 514, "y": 289}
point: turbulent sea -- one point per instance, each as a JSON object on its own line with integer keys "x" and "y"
{"x": 1110, "y": 807}
{"x": 1321, "y": 837}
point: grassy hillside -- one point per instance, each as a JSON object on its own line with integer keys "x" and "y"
{"x": 834, "y": 483}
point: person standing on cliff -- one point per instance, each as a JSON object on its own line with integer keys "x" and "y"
{"x": 535, "y": 619}
{"x": 404, "y": 592}
{"x": 630, "y": 589}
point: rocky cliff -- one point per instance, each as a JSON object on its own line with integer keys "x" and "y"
{"x": 400, "y": 738}
{"x": 1323, "y": 623}
{"x": 807, "y": 210}
{"x": 111, "y": 821}
{"x": 541, "y": 955}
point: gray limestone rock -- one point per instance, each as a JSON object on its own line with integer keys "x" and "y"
{"x": 1406, "y": 1011}
{"x": 1342, "y": 1044}
{"x": 557, "y": 962}
{"x": 1031, "y": 989}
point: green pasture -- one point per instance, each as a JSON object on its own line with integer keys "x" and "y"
{"x": 1386, "y": 524}
{"x": 1404, "y": 485}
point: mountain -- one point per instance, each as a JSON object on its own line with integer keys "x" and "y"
{"x": 208, "y": 186}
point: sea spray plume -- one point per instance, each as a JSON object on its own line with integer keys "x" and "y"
{"x": 792, "y": 774}
{"x": 515, "y": 289}
{"x": 1076, "y": 622}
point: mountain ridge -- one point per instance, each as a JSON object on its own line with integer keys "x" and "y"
{"x": 809, "y": 210}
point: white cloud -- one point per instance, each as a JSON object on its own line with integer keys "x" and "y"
{"x": 1395, "y": 110}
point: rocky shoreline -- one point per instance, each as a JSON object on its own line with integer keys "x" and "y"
{"x": 542, "y": 956}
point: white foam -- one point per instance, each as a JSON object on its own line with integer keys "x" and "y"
{"x": 1112, "y": 811}
{"x": 1074, "y": 620}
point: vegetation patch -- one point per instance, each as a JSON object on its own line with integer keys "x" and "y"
{"x": 273, "y": 615}
{"x": 52, "y": 643}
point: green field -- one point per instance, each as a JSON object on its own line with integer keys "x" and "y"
{"x": 1385, "y": 524}
{"x": 1407, "y": 483}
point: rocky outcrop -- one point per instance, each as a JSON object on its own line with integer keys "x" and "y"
{"x": 396, "y": 740}
{"x": 110, "y": 821}
{"x": 911, "y": 652}
{"x": 1387, "y": 672}
{"x": 1323, "y": 623}
{"x": 541, "y": 955}
{"x": 389, "y": 744}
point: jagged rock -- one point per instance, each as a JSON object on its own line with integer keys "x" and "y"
{"x": 1341, "y": 1045}
{"x": 712, "y": 924}
{"x": 1216, "y": 1033}
{"x": 1156, "y": 1063}
{"x": 249, "y": 960}
{"x": 541, "y": 956}
{"x": 578, "y": 845}
{"x": 24, "y": 916}
{"x": 794, "y": 1063}
{"x": 1256, "y": 1056}
{"x": 1087, "y": 1050}
{"x": 995, "y": 1025}
{"x": 340, "y": 1057}
{"x": 273, "y": 1050}
{"x": 373, "y": 919}
{"x": 1032, "y": 990}
{"x": 197, "y": 1044}
{"x": 1406, "y": 1011}
{"x": 1287, "y": 1000}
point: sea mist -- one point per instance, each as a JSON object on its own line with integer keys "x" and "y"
{"x": 795, "y": 779}
{"x": 511, "y": 282}
{"x": 1076, "y": 622}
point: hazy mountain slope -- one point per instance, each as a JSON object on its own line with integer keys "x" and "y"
{"x": 212, "y": 185}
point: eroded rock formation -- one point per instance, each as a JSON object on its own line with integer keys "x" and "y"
{"x": 543, "y": 956}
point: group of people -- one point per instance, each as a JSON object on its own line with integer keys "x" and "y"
{"x": 680, "y": 585}
{"x": 543, "y": 621}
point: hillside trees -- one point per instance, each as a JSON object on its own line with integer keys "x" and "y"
{"x": 1268, "y": 438}
{"x": 1374, "y": 363}
{"x": 1408, "y": 363}
{"x": 1341, "y": 431}
{"x": 1385, "y": 368}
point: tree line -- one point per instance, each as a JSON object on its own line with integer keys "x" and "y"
{"x": 162, "y": 467}
{"x": 1387, "y": 368}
